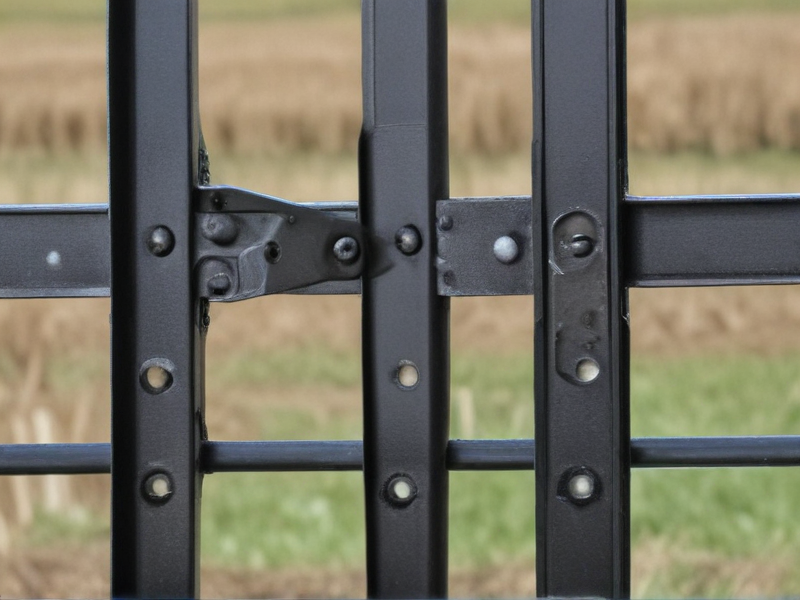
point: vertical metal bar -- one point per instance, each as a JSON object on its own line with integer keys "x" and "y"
{"x": 156, "y": 342}
{"x": 581, "y": 364}
{"x": 404, "y": 170}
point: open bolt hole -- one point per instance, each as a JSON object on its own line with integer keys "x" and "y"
{"x": 400, "y": 490}
{"x": 579, "y": 486}
{"x": 156, "y": 375}
{"x": 158, "y": 487}
{"x": 407, "y": 375}
{"x": 272, "y": 252}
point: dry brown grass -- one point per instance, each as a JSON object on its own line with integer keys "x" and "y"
{"x": 724, "y": 84}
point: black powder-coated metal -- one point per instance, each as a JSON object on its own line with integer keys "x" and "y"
{"x": 581, "y": 358}
{"x": 403, "y": 172}
{"x": 669, "y": 241}
{"x": 154, "y": 144}
{"x": 462, "y": 455}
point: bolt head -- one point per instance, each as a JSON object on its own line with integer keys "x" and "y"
{"x": 581, "y": 245}
{"x": 346, "y": 250}
{"x": 161, "y": 241}
{"x": 445, "y": 223}
{"x": 408, "y": 240}
{"x": 219, "y": 228}
{"x": 506, "y": 249}
{"x": 219, "y": 284}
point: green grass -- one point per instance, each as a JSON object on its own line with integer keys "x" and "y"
{"x": 727, "y": 512}
{"x": 701, "y": 517}
{"x": 461, "y": 11}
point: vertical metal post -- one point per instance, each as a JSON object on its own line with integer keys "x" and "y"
{"x": 156, "y": 340}
{"x": 404, "y": 171}
{"x": 581, "y": 364}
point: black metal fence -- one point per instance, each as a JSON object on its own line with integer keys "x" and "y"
{"x": 175, "y": 242}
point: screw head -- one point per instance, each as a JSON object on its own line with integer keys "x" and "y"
{"x": 161, "y": 241}
{"x": 581, "y": 245}
{"x": 219, "y": 284}
{"x": 408, "y": 240}
{"x": 346, "y": 250}
{"x": 400, "y": 490}
{"x": 219, "y": 228}
{"x": 157, "y": 488}
{"x": 506, "y": 249}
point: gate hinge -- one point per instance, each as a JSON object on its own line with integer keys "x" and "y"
{"x": 249, "y": 244}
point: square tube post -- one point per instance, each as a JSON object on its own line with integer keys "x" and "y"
{"x": 581, "y": 339}
{"x": 403, "y": 172}
{"x": 156, "y": 341}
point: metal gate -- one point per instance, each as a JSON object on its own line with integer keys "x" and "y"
{"x": 175, "y": 243}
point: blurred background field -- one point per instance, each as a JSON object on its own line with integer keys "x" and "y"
{"x": 714, "y": 107}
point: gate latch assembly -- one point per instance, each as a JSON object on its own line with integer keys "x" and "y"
{"x": 249, "y": 245}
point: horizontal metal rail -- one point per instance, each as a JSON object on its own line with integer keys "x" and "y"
{"x": 462, "y": 455}
{"x": 671, "y": 241}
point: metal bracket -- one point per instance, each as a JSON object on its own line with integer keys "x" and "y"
{"x": 249, "y": 245}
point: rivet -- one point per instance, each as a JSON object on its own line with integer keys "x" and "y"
{"x": 53, "y": 259}
{"x": 581, "y": 486}
{"x": 445, "y": 223}
{"x": 581, "y": 245}
{"x": 408, "y": 240}
{"x": 272, "y": 252}
{"x": 449, "y": 278}
{"x": 161, "y": 241}
{"x": 400, "y": 490}
{"x": 219, "y": 284}
{"x": 506, "y": 249}
{"x": 157, "y": 488}
{"x": 219, "y": 228}
{"x": 346, "y": 250}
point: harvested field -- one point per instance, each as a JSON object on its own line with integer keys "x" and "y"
{"x": 721, "y": 84}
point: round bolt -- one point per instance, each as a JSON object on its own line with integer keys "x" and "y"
{"x": 346, "y": 250}
{"x": 581, "y": 486}
{"x": 272, "y": 252}
{"x": 400, "y": 490}
{"x": 445, "y": 223}
{"x": 581, "y": 245}
{"x": 587, "y": 370}
{"x": 158, "y": 488}
{"x": 408, "y": 240}
{"x": 219, "y": 284}
{"x": 506, "y": 249}
{"x": 219, "y": 228}
{"x": 161, "y": 241}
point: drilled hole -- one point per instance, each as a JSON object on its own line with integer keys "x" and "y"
{"x": 587, "y": 370}
{"x": 272, "y": 252}
{"x": 158, "y": 487}
{"x": 407, "y": 375}
{"x": 156, "y": 375}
